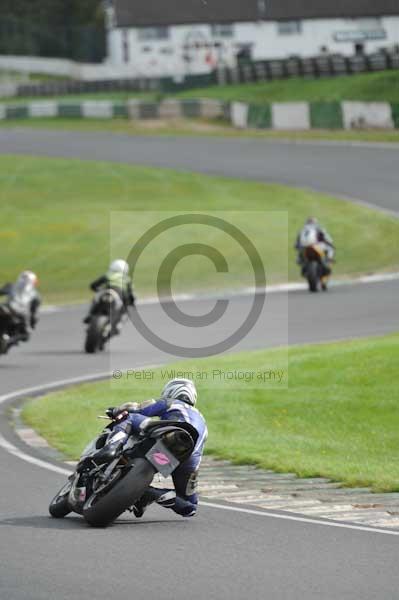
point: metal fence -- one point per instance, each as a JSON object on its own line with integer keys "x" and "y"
{"x": 140, "y": 84}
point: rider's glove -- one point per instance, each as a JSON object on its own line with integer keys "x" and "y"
{"x": 110, "y": 412}
{"x": 116, "y": 414}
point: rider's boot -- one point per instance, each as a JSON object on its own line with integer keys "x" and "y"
{"x": 140, "y": 506}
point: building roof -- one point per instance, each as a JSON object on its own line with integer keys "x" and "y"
{"x": 145, "y": 13}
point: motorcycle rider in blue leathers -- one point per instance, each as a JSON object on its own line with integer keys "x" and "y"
{"x": 177, "y": 403}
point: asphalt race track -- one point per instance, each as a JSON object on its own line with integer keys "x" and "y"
{"x": 220, "y": 554}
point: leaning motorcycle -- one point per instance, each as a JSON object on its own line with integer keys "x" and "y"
{"x": 107, "y": 304}
{"x": 110, "y": 478}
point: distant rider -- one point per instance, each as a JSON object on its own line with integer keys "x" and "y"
{"x": 23, "y": 301}
{"x": 307, "y": 232}
{"x": 177, "y": 403}
{"x": 116, "y": 278}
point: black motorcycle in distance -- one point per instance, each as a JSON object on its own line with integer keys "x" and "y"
{"x": 106, "y": 308}
{"x": 109, "y": 479}
{"x": 10, "y": 329}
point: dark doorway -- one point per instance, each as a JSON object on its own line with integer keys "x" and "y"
{"x": 359, "y": 49}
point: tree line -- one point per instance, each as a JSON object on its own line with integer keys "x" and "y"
{"x": 54, "y": 28}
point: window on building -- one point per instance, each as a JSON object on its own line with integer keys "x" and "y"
{"x": 226, "y": 30}
{"x": 125, "y": 46}
{"x": 262, "y": 8}
{"x": 153, "y": 33}
{"x": 289, "y": 27}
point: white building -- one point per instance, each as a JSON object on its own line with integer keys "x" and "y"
{"x": 182, "y": 37}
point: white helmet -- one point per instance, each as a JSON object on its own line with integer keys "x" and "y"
{"x": 180, "y": 389}
{"x": 119, "y": 266}
{"x": 27, "y": 279}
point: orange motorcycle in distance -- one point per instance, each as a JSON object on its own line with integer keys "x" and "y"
{"x": 316, "y": 267}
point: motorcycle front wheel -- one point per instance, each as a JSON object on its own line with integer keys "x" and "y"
{"x": 59, "y": 506}
{"x": 94, "y": 335}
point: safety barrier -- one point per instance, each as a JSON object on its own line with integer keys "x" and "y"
{"x": 279, "y": 115}
{"x": 108, "y": 109}
{"x": 315, "y": 115}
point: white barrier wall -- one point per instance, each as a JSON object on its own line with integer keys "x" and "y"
{"x": 170, "y": 109}
{"x": 367, "y": 114}
{"x": 211, "y": 109}
{"x": 43, "y": 109}
{"x": 8, "y": 89}
{"x": 97, "y": 109}
{"x": 239, "y": 114}
{"x": 291, "y": 115}
{"x": 67, "y": 68}
{"x": 33, "y": 64}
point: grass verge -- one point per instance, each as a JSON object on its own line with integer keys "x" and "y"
{"x": 189, "y": 127}
{"x": 56, "y": 221}
{"x": 338, "y": 418}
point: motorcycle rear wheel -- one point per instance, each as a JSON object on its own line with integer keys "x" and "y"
{"x": 101, "y": 510}
{"x": 313, "y": 276}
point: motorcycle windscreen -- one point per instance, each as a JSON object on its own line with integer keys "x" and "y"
{"x": 162, "y": 459}
{"x": 95, "y": 445}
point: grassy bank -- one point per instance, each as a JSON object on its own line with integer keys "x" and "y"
{"x": 338, "y": 418}
{"x": 56, "y": 221}
{"x": 367, "y": 87}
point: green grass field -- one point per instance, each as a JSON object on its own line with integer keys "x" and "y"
{"x": 56, "y": 221}
{"x": 188, "y": 127}
{"x": 338, "y": 418}
{"x": 368, "y": 87}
